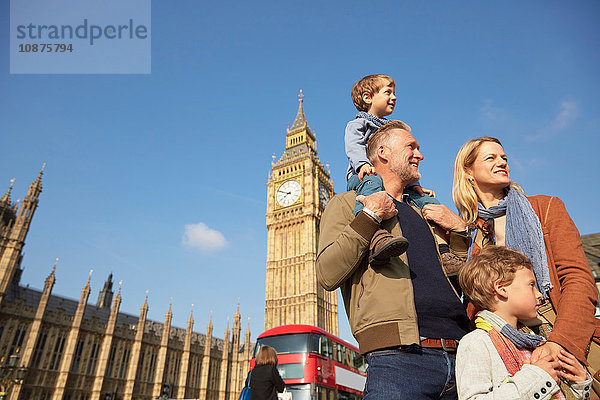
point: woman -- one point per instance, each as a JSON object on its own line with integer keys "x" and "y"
{"x": 265, "y": 381}
{"x": 499, "y": 213}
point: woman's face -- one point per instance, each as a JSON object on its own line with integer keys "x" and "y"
{"x": 490, "y": 171}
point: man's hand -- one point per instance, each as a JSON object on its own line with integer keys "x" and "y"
{"x": 380, "y": 203}
{"x": 365, "y": 169}
{"x": 444, "y": 217}
{"x": 550, "y": 365}
{"x": 547, "y": 349}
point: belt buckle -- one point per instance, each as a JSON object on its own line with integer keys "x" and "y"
{"x": 444, "y": 344}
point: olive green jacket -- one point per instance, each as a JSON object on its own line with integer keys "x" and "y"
{"x": 378, "y": 299}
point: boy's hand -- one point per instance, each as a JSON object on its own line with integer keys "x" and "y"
{"x": 421, "y": 191}
{"x": 427, "y": 192}
{"x": 571, "y": 368}
{"x": 550, "y": 365}
{"x": 365, "y": 169}
{"x": 418, "y": 189}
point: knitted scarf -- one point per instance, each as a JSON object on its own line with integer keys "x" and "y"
{"x": 511, "y": 344}
{"x": 523, "y": 233}
{"x": 370, "y": 117}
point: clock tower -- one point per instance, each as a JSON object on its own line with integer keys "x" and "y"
{"x": 298, "y": 190}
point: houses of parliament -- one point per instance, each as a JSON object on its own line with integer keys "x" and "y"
{"x": 77, "y": 350}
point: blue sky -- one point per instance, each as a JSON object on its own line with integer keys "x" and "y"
{"x": 134, "y": 159}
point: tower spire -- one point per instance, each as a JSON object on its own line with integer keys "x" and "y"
{"x": 300, "y": 120}
{"x": 106, "y": 294}
{"x": 5, "y": 200}
{"x": 36, "y": 187}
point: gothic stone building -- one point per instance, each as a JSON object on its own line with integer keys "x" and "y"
{"x": 74, "y": 350}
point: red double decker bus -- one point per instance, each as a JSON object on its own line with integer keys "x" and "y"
{"x": 314, "y": 364}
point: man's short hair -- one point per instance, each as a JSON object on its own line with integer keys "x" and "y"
{"x": 491, "y": 264}
{"x": 370, "y": 84}
{"x": 382, "y": 136}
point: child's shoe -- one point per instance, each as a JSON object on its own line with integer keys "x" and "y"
{"x": 385, "y": 245}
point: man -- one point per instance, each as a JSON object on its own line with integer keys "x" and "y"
{"x": 404, "y": 312}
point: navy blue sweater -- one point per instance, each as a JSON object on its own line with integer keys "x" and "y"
{"x": 440, "y": 313}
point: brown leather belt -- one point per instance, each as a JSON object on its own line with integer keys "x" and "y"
{"x": 446, "y": 344}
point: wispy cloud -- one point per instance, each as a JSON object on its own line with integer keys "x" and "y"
{"x": 567, "y": 113}
{"x": 490, "y": 113}
{"x": 200, "y": 236}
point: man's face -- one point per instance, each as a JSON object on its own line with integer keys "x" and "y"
{"x": 405, "y": 156}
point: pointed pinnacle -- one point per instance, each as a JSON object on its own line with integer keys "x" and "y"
{"x": 6, "y": 197}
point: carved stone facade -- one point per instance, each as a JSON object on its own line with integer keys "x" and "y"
{"x": 74, "y": 350}
{"x": 298, "y": 189}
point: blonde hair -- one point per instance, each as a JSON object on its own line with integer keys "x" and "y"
{"x": 492, "y": 264}
{"x": 266, "y": 356}
{"x": 382, "y": 136}
{"x": 370, "y": 84}
{"x": 463, "y": 192}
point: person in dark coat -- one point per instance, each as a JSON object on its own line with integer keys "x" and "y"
{"x": 265, "y": 381}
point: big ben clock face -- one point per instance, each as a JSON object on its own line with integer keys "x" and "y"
{"x": 323, "y": 195}
{"x": 288, "y": 193}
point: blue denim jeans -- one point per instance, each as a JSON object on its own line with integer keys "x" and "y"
{"x": 369, "y": 185}
{"x": 411, "y": 372}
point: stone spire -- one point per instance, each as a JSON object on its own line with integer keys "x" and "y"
{"x": 10, "y": 258}
{"x": 136, "y": 351}
{"x": 71, "y": 344}
{"x": 235, "y": 355}
{"x": 36, "y": 187}
{"x": 35, "y": 330}
{"x": 300, "y": 122}
{"x": 206, "y": 360}
{"x": 299, "y": 140}
{"x": 162, "y": 353}
{"x": 105, "y": 348}
{"x": 224, "y": 364}
{"x": 5, "y": 200}
{"x": 185, "y": 357}
{"x": 106, "y": 294}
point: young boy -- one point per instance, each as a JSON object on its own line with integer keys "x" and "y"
{"x": 374, "y": 97}
{"x": 493, "y": 360}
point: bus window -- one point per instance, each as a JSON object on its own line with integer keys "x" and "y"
{"x": 315, "y": 343}
{"x": 326, "y": 347}
{"x": 359, "y": 362}
{"x": 348, "y": 360}
{"x": 324, "y": 393}
{"x": 340, "y": 353}
{"x": 300, "y": 392}
{"x": 347, "y": 396}
{"x": 284, "y": 344}
{"x": 291, "y": 371}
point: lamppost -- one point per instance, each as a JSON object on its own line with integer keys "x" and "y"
{"x": 10, "y": 373}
